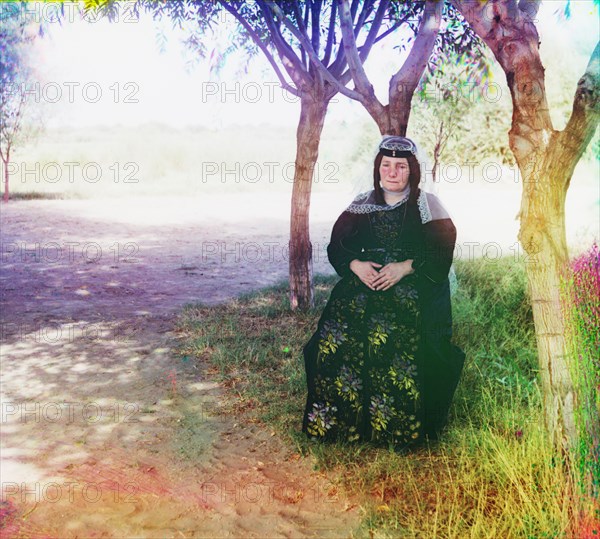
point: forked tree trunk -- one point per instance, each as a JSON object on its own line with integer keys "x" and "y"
{"x": 312, "y": 117}
{"x": 392, "y": 119}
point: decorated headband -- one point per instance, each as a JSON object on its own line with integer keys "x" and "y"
{"x": 393, "y": 146}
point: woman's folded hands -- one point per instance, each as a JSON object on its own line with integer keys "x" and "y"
{"x": 379, "y": 277}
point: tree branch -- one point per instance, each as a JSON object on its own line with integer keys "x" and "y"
{"x": 406, "y": 79}
{"x": 512, "y": 9}
{"x": 263, "y": 48}
{"x": 320, "y": 68}
{"x": 364, "y": 13}
{"x": 340, "y": 60}
{"x": 514, "y": 40}
{"x": 389, "y": 30}
{"x": 283, "y": 48}
{"x": 366, "y": 48}
{"x": 307, "y": 9}
{"x": 364, "y": 53}
{"x": 353, "y": 9}
{"x": 361, "y": 81}
{"x": 330, "y": 33}
{"x": 345, "y": 77}
{"x": 301, "y": 26}
{"x": 410, "y": 73}
{"x": 530, "y": 8}
{"x": 474, "y": 13}
{"x": 316, "y": 24}
{"x": 586, "y": 109}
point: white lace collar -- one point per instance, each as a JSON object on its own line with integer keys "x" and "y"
{"x": 365, "y": 203}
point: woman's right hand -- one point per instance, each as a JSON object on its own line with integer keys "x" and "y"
{"x": 366, "y": 271}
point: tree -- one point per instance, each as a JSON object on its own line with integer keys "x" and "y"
{"x": 310, "y": 55}
{"x": 15, "y": 74}
{"x": 334, "y": 76}
{"x": 452, "y": 117}
{"x": 546, "y": 159}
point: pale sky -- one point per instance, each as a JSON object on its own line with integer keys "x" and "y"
{"x": 119, "y": 66}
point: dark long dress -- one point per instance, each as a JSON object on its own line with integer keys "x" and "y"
{"x": 381, "y": 366}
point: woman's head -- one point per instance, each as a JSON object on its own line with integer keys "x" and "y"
{"x": 396, "y": 166}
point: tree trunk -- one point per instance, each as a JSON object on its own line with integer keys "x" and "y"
{"x": 437, "y": 150}
{"x": 404, "y": 83}
{"x": 546, "y": 159}
{"x": 543, "y": 237}
{"x": 312, "y": 117}
{"x": 6, "y": 193}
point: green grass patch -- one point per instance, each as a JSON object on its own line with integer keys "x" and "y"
{"x": 491, "y": 475}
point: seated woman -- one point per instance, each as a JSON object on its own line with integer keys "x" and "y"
{"x": 381, "y": 366}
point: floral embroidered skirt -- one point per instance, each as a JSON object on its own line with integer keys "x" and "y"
{"x": 362, "y": 366}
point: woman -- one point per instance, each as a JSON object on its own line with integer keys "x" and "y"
{"x": 380, "y": 366}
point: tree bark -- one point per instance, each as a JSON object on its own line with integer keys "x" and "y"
{"x": 543, "y": 237}
{"x": 313, "y": 109}
{"x": 404, "y": 83}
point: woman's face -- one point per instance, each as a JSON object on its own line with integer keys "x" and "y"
{"x": 394, "y": 173}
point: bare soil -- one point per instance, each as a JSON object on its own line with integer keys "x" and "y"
{"x": 105, "y": 433}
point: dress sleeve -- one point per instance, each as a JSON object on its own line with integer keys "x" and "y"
{"x": 434, "y": 257}
{"x": 343, "y": 247}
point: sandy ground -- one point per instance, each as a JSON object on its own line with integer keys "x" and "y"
{"x": 93, "y": 397}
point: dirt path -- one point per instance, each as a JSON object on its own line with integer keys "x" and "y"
{"x": 105, "y": 433}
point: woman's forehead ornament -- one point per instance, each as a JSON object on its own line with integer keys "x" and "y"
{"x": 393, "y": 146}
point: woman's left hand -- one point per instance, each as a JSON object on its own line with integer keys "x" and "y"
{"x": 391, "y": 274}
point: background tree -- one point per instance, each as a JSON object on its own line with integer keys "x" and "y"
{"x": 18, "y": 119}
{"x": 546, "y": 158}
{"x": 451, "y": 116}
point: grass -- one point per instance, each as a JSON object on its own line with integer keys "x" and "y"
{"x": 493, "y": 473}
